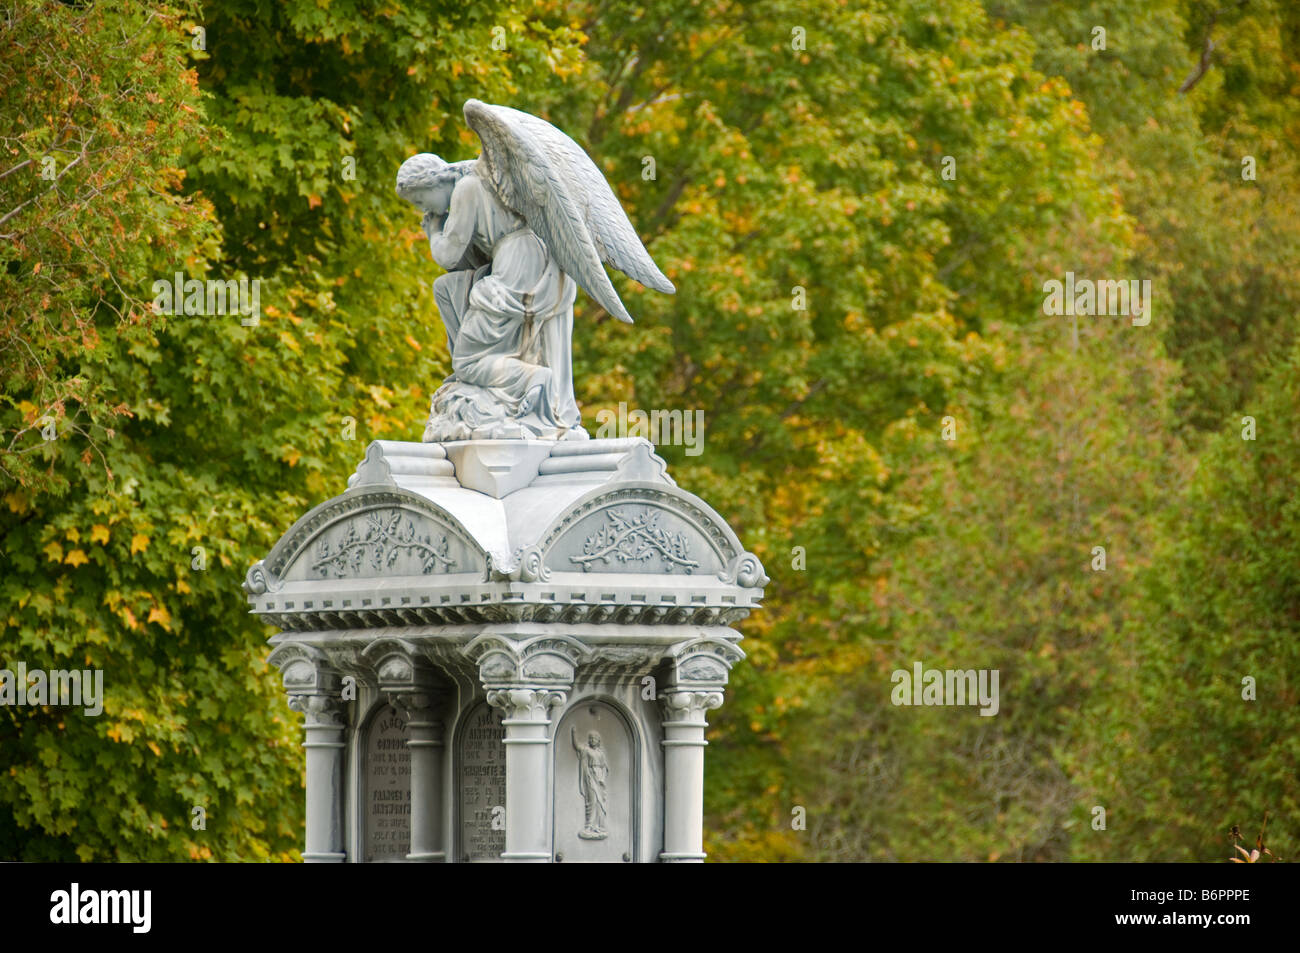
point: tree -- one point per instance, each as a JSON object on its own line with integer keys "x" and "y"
{"x": 1197, "y": 730}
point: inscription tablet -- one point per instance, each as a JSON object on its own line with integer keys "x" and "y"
{"x": 482, "y": 786}
{"x": 387, "y": 788}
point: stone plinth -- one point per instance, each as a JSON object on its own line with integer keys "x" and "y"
{"x": 505, "y": 651}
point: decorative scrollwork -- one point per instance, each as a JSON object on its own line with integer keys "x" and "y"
{"x": 388, "y": 534}
{"x": 255, "y": 582}
{"x": 745, "y": 570}
{"x": 532, "y": 568}
{"x": 635, "y": 539}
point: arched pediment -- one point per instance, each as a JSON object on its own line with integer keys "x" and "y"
{"x": 369, "y": 533}
{"x": 584, "y": 545}
{"x": 641, "y": 529}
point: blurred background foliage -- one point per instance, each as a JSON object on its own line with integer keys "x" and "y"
{"x": 181, "y": 441}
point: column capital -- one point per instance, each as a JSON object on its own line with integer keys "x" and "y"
{"x": 323, "y": 710}
{"x": 525, "y": 704}
{"x": 687, "y": 706}
{"x": 314, "y": 686}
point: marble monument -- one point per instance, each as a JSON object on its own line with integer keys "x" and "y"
{"x": 505, "y": 638}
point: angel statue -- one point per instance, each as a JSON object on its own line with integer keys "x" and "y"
{"x": 518, "y": 230}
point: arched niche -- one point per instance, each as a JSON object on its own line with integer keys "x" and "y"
{"x": 596, "y": 780}
{"x": 385, "y": 787}
{"x": 480, "y": 785}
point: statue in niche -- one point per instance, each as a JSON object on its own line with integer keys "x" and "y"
{"x": 593, "y": 784}
{"x": 518, "y": 230}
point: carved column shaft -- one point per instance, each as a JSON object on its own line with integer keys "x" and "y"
{"x": 527, "y": 722}
{"x": 428, "y": 755}
{"x": 324, "y": 744}
{"x": 684, "y": 744}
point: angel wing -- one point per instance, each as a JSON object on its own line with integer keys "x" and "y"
{"x": 544, "y": 176}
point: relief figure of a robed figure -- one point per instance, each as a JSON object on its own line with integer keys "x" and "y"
{"x": 593, "y": 785}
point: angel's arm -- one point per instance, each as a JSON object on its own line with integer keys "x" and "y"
{"x": 432, "y": 223}
{"x": 451, "y": 243}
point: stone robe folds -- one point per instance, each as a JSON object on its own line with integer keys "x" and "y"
{"x": 509, "y": 326}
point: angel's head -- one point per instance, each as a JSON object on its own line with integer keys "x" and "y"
{"x": 426, "y": 181}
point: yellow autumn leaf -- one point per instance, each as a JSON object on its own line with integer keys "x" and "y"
{"x": 99, "y": 534}
{"x": 54, "y": 551}
{"x": 160, "y": 615}
{"x": 16, "y": 502}
{"x": 155, "y": 749}
{"x": 182, "y": 586}
{"x": 76, "y": 558}
{"x": 139, "y": 543}
{"x": 292, "y": 458}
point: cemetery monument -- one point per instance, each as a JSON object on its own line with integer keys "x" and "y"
{"x": 505, "y": 638}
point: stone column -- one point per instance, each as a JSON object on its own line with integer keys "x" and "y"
{"x": 684, "y": 744}
{"x": 526, "y": 717}
{"x": 428, "y": 754}
{"x": 324, "y": 743}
